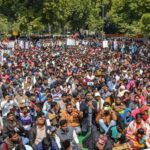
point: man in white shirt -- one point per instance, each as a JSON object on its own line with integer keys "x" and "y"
{"x": 7, "y": 104}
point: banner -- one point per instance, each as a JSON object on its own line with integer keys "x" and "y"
{"x": 71, "y": 42}
{"x": 1, "y": 57}
{"x": 105, "y": 44}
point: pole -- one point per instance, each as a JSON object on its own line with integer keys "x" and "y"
{"x": 103, "y": 15}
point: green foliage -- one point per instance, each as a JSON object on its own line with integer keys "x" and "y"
{"x": 127, "y": 14}
{"x": 122, "y": 16}
{"x": 3, "y": 24}
{"x": 145, "y": 24}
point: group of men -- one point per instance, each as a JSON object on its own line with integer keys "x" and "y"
{"x": 52, "y": 95}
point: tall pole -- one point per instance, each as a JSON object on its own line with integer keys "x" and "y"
{"x": 49, "y": 29}
{"x": 103, "y": 15}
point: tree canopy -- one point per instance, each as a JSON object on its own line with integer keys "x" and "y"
{"x": 36, "y": 16}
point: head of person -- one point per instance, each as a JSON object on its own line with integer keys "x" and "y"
{"x": 46, "y": 143}
{"x": 40, "y": 81}
{"x": 32, "y": 97}
{"x": 20, "y": 92}
{"x": 40, "y": 119}
{"x": 144, "y": 111}
{"x": 88, "y": 95}
{"x": 117, "y": 100}
{"x": 63, "y": 124}
{"x": 28, "y": 79}
{"x": 90, "y": 73}
{"x": 57, "y": 87}
{"x": 79, "y": 87}
{"x": 126, "y": 94}
{"x": 64, "y": 97}
{"x": 137, "y": 98}
{"x": 97, "y": 96}
{"x": 20, "y": 147}
{"x": 66, "y": 145}
{"x": 54, "y": 106}
{"x": 38, "y": 107}
{"x": 24, "y": 109}
{"x": 69, "y": 108}
{"x": 10, "y": 116}
{"x": 113, "y": 80}
{"x": 49, "y": 98}
{"x": 45, "y": 81}
{"x": 105, "y": 88}
{"x": 140, "y": 133}
{"x": 148, "y": 100}
{"x": 138, "y": 118}
{"x": 107, "y": 108}
{"x": 7, "y": 97}
{"x": 13, "y": 136}
{"x": 148, "y": 89}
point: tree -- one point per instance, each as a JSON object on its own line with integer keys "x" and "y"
{"x": 145, "y": 24}
{"x": 127, "y": 14}
{"x": 3, "y": 24}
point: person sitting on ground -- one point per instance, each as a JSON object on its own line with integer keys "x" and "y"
{"x": 73, "y": 117}
{"x": 68, "y": 133}
{"x": 12, "y": 140}
{"x": 106, "y": 118}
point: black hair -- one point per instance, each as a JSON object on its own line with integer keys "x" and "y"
{"x": 49, "y": 95}
{"x": 106, "y": 104}
{"x": 138, "y": 116}
{"x": 64, "y": 94}
{"x": 10, "y": 113}
{"x": 46, "y": 143}
{"x": 63, "y": 122}
{"x": 68, "y": 104}
{"x": 39, "y": 105}
{"x": 65, "y": 144}
{"x": 53, "y": 104}
{"x": 140, "y": 131}
{"x": 11, "y": 133}
{"x": 39, "y": 114}
{"x": 20, "y": 147}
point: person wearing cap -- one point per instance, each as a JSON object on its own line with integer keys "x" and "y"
{"x": 99, "y": 101}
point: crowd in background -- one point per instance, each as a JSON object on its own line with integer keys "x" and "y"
{"x": 52, "y": 93}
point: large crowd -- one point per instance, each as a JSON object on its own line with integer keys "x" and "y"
{"x": 52, "y": 94}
